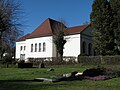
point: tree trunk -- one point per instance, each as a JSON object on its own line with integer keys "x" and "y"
{"x": 0, "y": 45}
{"x": 61, "y": 59}
{"x": 2, "y": 51}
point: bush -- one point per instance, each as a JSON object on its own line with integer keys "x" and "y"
{"x": 89, "y": 60}
{"x": 93, "y": 72}
{"x": 111, "y": 73}
{"x": 97, "y": 60}
{"x": 7, "y": 59}
{"x": 25, "y": 65}
{"x": 100, "y": 73}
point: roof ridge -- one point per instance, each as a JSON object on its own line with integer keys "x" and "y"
{"x": 43, "y": 29}
{"x": 76, "y": 29}
{"x": 79, "y": 26}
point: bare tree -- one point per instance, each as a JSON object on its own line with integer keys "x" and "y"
{"x": 10, "y": 27}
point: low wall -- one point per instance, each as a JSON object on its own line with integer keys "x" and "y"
{"x": 53, "y": 60}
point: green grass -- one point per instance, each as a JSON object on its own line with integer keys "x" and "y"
{"x": 23, "y": 79}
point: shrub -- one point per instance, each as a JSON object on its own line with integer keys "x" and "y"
{"x": 111, "y": 73}
{"x": 97, "y": 60}
{"x": 93, "y": 72}
{"x": 100, "y": 73}
{"x": 7, "y": 59}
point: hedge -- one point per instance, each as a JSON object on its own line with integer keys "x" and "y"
{"x": 110, "y": 60}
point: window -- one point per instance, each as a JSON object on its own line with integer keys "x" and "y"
{"x": 90, "y": 49}
{"x": 31, "y": 47}
{"x": 21, "y": 48}
{"x": 39, "y": 47}
{"x": 36, "y": 47}
{"x": 84, "y": 47}
{"x": 24, "y": 48}
{"x": 44, "y": 47}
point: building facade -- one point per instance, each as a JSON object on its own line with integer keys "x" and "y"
{"x": 39, "y": 44}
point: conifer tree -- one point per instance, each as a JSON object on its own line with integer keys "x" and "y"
{"x": 115, "y": 4}
{"x": 101, "y": 18}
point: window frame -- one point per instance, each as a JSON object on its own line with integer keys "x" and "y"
{"x": 44, "y": 47}
{"x": 35, "y": 47}
{"x": 31, "y": 47}
{"x": 40, "y": 47}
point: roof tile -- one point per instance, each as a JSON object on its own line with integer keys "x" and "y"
{"x": 46, "y": 29}
{"x": 23, "y": 38}
{"x": 76, "y": 29}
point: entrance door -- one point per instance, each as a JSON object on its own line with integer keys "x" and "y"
{"x": 22, "y": 56}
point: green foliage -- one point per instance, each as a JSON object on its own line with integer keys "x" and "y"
{"x": 58, "y": 39}
{"x": 96, "y": 60}
{"x": 101, "y": 22}
{"x": 7, "y": 59}
{"x": 115, "y": 4}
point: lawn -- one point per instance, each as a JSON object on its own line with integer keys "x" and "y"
{"x": 23, "y": 79}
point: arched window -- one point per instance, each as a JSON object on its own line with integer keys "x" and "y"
{"x": 36, "y": 47}
{"x": 84, "y": 47}
{"x": 89, "y": 49}
{"x": 24, "y": 48}
{"x": 31, "y": 47}
{"x": 39, "y": 47}
{"x": 44, "y": 47}
{"x": 21, "y": 48}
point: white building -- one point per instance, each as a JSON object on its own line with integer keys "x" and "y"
{"x": 39, "y": 44}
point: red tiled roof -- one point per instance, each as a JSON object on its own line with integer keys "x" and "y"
{"x": 43, "y": 30}
{"x": 76, "y": 29}
{"x": 46, "y": 29}
{"x": 23, "y": 37}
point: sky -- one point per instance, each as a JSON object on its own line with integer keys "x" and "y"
{"x": 73, "y": 12}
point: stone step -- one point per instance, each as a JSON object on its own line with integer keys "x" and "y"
{"x": 44, "y": 79}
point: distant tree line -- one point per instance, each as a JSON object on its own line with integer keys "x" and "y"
{"x": 105, "y": 22}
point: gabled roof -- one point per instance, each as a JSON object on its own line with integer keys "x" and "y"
{"x": 23, "y": 38}
{"x": 76, "y": 29}
{"x": 46, "y": 29}
{"x": 43, "y": 30}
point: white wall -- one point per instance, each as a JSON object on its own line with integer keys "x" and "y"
{"x": 37, "y": 54}
{"x": 18, "y": 50}
{"x": 72, "y": 46}
{"x": 47, "y": 53}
